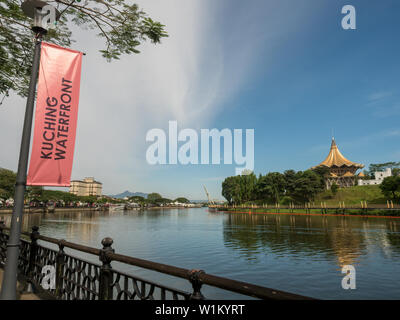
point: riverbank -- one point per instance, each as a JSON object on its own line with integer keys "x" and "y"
{"x": 354, "y": 212}
{"x": 43, "y": 210}
{"x": 80, "y": 209}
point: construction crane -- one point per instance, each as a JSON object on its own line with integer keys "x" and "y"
{"x": 208, "y": 196}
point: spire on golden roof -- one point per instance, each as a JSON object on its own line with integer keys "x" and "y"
{"x": 335, "y": 158}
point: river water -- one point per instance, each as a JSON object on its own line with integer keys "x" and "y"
{"x": 295, "y": 253}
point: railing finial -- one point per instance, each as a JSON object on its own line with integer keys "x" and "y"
{"x": 194, "y": 278}
{"x": 106, "y": 275}
{"x": 35, "y": 234}
{"x": 107, "y": 242}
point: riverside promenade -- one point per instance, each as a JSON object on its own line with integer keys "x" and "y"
{"x": 42, "y": 210}
{"x": 391, "y": 210}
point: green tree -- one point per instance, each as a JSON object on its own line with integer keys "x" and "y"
{"x": 88, "y": 199}
{"x": 271, "y": 187}
{"x": 152, "y": 197}
{"x": 182, "y": 200}
{"x": 228, "y": 189}
{"x": 290, "y": 177}
{"x": 308, "y": 184}
{"x": 7, "y": 183}
{"x": 247, "y": 184}
{"x": 137, "y": 199}
{"x": 34, "y": 191}
{"x": 239, "y": 189}
{"x": 390, "y": 187}
{"x": 382, "y": 166}
{"x": 396, "y": 171}
{"x": 286, "y": 200}
{"x": 367, "y": 175}
{"x": 162, "y": 201}
{"x": 122, "y": 26}
{"x": 322, "y": 172}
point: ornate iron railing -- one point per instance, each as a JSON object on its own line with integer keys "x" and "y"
{"x": 79, "y": 279}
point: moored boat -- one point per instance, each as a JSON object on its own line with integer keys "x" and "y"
{"x": 117, "y": 207}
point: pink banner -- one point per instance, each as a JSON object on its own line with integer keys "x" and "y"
{"x": 56, "y": 117}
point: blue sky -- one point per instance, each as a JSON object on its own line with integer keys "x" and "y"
{"x": 284, "y": 68}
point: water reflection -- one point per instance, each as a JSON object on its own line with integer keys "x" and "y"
{"x": 340, "y": 239}
{"x": 85, "y": 225}
{"x": 299, "y": 254}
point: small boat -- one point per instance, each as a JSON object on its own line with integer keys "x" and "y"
{"x": 37, "y": 209}
{"x": 50, "y": 208}
{"x": 117, "y": 207}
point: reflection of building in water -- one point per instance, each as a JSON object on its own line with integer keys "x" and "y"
{"x": 346, "y": 243}
{"x": 87, "y": 187}
{"x": 77, "y": 225}
{"x": 28, "y": 221}
{"x": 336, "y": 237}
{"x": 341, "y": 171}
{"x": 83, "y": 226}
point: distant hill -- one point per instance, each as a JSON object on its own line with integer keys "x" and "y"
{"x": 129, "y": 194}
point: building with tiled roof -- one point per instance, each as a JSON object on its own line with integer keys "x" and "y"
{"x": 341, "y": 170}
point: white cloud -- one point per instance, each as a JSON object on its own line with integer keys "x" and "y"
{"x": 190, "y": 77}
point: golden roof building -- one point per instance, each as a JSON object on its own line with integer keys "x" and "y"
{"x": 341, "y": 170}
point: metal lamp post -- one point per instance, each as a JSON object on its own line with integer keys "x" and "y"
{"x": 33, "y": 9}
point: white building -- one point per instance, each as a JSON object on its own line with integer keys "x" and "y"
{"x": 379, "y": 176}
{"x": 86, "y": 187}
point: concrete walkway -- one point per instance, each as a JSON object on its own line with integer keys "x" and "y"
{"x": 24, "y": 296}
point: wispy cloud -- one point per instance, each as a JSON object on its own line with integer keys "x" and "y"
{"x": 383, "y": 104}
{"x": 211, "y": 54}
{"x": 377, "y": 96}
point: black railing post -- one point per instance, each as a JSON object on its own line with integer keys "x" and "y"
{"x": 33, "y": 250}
{"x": 32, "y": 257}
{"x": 196, "y": 284}
{"x": 60, "y": 263}
{"x": 2, "y": 226}
{"x": 106, "y": 274}
{"x": 3, "y": 243}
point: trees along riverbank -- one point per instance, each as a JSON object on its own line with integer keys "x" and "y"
{"x": 306, "y": 189}
{"x": 39, "y": 197}
{"x": 274, "y": 187}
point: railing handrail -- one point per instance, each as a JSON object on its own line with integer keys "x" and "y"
{"x": 216, "y": 281}
{"x": 191, "y": 275}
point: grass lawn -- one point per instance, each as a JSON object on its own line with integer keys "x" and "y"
{"x": 353, "y": 196}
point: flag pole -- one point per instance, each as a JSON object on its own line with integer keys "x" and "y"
{"x": 32, "y": 8}
{"x": 8, "y": 289}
